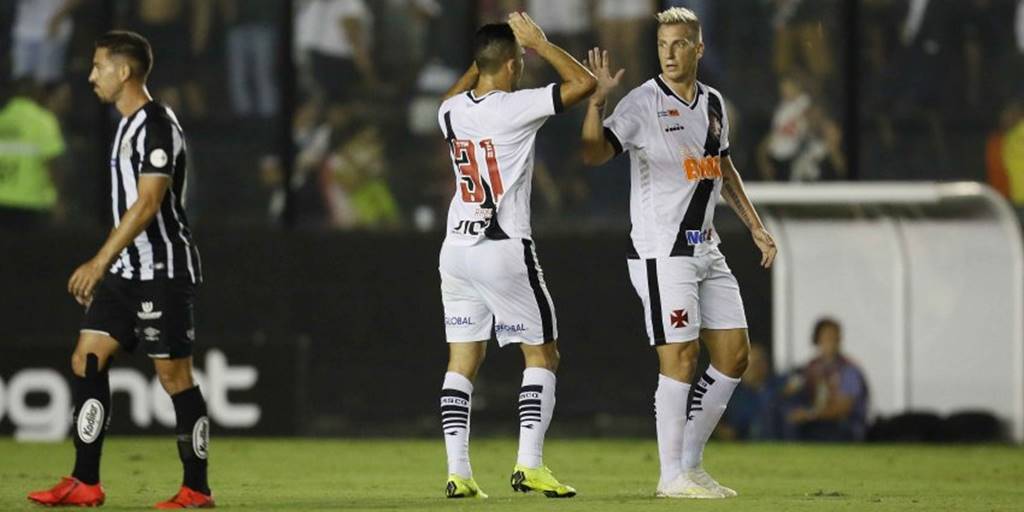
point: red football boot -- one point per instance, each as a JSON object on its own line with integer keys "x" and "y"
{"x": 70, "y": 492}
{"x": 187, "y": 498}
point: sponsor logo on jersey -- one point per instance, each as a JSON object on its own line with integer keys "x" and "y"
{"x": 679, "y": 318}
{"x": 147, "y": 312}
{"x": 675, "y": 128}
{"x": 668, "y": 113}
{"x": 509, "y": 328}
{"x": 457, "y": 321}
{"x": 471, "y": 227}
{"x": 697, "y": 237}
{"x": 704, "y": 168}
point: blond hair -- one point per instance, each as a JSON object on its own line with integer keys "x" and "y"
{"x": 679, "y": 16}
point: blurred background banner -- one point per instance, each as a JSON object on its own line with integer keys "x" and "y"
{"x": 319, "y": 181}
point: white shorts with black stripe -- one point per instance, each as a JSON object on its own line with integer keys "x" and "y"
{"x": 496, "y": 285}
{"x": 683, "y": 294}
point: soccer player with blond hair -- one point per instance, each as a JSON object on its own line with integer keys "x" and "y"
{"x": 676, "y": 131}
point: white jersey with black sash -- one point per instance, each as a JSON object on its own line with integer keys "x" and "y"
{"x": 675, "y": 150}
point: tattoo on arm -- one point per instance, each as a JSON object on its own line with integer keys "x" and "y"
{"x": 735, "y": 199}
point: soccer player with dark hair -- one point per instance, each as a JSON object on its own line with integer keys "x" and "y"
{"x": 140, "y": 287}
{"x": 677, "y": 134}
{"x": 490, "y": 276}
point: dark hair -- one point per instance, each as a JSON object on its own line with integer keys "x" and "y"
{"x": 493, "y": 45}
{"x": 132, "y": 46}
{"x": 821, "y": 324}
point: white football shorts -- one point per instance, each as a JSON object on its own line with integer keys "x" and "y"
{"x": 496, "y": 285}
{"x": 683, "y": 294}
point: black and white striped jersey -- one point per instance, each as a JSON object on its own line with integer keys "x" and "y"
{"x": 151, "y": 141}
{"x": 675, "y": 150}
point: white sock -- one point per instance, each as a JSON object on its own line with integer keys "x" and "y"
{"x": 710, "y": 397}
{"x": 536, "y": 406}
{"x": 456, "y": 403}
{"x": 670, "y": 419}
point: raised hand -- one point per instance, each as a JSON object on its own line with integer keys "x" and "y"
{"x": 528, "y": 33}
{"x": 600, "y": 64}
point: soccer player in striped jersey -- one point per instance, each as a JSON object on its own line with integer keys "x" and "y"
{"x": 490, "y": 276}
{"x": 677, "y": 134}
{"x": 140, "y": 287}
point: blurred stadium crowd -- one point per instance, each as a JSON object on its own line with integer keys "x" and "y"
{"x": 322, "y": 113}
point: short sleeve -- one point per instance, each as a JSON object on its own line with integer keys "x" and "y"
{"x": 158, "y": 147}
{"x": 724, "y": 144}
{"x": 530, "y": 107}
{"x": 624, "y": 127}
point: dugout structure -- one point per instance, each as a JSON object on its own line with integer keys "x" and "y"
{"x": 927, "y": 280}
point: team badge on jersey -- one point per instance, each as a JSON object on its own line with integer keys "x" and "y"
{"x": 679, "y": 318}
{"x": 158, "y": 158}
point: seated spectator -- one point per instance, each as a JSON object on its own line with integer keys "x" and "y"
{"x": 829, "y": 395}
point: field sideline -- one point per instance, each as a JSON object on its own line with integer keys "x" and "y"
{"x": 611, "y": 475}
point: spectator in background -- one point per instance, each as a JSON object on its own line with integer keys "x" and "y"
{"x": 252, "y": 55}
{"x": 804, "y": 143}
{"x": 179, "y": 31}
{"x": 830, "y": 393}
{"x": 335, "y": 38}
{"x": 623, "y": 28}
{"x": 750, "y": 415}
{"x": 30, "y": 141}
{"x": 353, "y": 180}
{"x": 42, "y": 29}
{"x": 1004, "y": 154}
{"x": 801, "y": 39}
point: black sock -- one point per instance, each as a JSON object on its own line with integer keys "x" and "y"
{"x": 193, "y": 437}
{"x": 91, "y": 418}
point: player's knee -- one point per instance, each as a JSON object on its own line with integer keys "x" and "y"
{"x": 543, "y": 356}
{"x": 78, "y": 363}
{"x": 175, "y": 381}
{"x": 736, "y": 362}
{"x": 551, "y": 358}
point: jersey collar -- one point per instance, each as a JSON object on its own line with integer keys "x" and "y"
{"x": 472, "y": 97}
{"x": 668, "y": 91}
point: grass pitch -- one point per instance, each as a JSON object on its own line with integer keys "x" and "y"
{"x": 611, "y": 475}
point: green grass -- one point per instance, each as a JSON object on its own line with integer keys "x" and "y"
{"x": 611, "y": 475}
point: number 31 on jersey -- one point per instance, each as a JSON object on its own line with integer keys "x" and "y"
{"x": 474, "y": 190}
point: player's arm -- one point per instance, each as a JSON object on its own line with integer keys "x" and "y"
{"x": 466, "y": 82}
{"x": 597, "y": 149}
{"x": 736, "y": 195}
{"x": 152, "y": 188}
{"x": 577, "y": 81}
